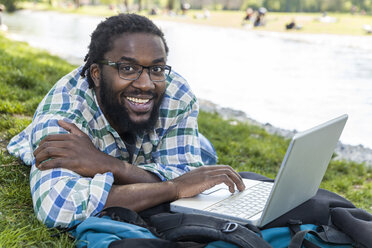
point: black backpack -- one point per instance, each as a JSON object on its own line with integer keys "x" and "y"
{"x": 339, "y": 222}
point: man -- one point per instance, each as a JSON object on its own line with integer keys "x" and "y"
{"x": 119, "y": 131}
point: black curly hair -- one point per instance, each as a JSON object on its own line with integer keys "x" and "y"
{"x": 102, "y": 38}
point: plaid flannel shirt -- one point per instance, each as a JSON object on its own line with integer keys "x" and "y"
{"x": 61, "y": 196}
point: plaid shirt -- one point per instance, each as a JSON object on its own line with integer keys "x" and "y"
{"x": 61, "y": 196}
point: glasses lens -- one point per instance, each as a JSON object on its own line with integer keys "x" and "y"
{"x": 159, "y": 72}
{"x": 129, "y": 71}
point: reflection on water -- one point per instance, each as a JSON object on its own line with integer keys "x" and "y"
{"x": 292, "y": 81}
{"x": 63, "y": 34}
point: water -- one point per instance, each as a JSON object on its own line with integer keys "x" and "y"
{"x": 290, "y": 80}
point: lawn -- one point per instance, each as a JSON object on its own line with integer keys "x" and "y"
{"x": 26, "y": 74}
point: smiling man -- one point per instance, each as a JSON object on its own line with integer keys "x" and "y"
{"x": 119, "y": 131}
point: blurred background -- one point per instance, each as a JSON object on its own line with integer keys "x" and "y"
{"x": 290, "y": 63}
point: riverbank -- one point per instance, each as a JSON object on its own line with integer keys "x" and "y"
{"x": 358, "y": 154}
{"x": 310, "y": 23}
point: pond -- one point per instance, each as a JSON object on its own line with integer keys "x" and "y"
{"x": 291, "y": 80}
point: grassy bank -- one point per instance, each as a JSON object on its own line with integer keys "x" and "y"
{"x": 345, "y": 24}
{"x": 26, "y": 74}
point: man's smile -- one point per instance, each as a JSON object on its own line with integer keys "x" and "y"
{"x": 137, "y": 100}
{"x": 139, "y": 105}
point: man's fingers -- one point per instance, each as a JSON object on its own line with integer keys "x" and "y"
{"x": 52, "y": 163}
{"x": 223, "y": 178}
{"x": 55, "y": 137}
{"x": 51, "y": 141}
{"x": 228, "y": 172}
{"x": 71, "y": 128}
{"x": 48, "y": 153}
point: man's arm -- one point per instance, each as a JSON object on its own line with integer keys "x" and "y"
{"x": 145, "y": 195}
{"x": 61, "y": 195}
{"x": 75, "y": 151}
{"x": 66, "y": 151}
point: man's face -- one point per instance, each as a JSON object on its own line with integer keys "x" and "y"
{"x": 132, "y": 106}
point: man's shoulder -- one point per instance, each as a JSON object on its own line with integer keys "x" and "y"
{"x": 178, "y": 92}
{"x": 70, "y": 94}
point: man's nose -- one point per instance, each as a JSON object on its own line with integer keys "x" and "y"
{"x": 144, "y": 82}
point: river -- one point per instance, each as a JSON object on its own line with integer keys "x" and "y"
{"x": 291, "y": 80}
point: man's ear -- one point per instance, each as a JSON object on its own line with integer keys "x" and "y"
{"x": 95, "y": 74}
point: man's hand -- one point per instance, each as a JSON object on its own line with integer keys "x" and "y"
{"x": 74, "y": 151}
{"x": 205, "y": 177}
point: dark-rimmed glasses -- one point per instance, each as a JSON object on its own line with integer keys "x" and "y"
{"x": 129, "y": 71}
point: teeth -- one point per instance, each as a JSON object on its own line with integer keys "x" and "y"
{"x": 137, "y": 100}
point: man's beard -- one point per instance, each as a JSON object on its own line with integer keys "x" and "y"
{"x": 118, "y": 114}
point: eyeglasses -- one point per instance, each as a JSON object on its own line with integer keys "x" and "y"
{"x": 127, "y": 71}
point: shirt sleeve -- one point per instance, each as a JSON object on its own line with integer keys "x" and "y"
{"x": 178, "y": 150}
{"x": 61, "y": 196}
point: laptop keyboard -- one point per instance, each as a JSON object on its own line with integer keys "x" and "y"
{"x": 246, "y": 204}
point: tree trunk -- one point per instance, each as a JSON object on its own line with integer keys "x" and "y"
{"x": 139, "y": 5}
{"x": 126, "y": 6}
{"x": 170, "y": 4}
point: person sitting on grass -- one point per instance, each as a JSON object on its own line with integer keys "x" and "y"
{"x": 121, "y": 130}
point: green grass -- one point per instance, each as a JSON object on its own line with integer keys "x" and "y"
{"x": 26, "y": 74}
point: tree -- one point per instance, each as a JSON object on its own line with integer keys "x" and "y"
{"x": 10, "y": 5}
{"x": 170, "y": 4}
{"x": 139, "y": 5}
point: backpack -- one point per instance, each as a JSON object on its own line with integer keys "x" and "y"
{"x": 326, "y": 220}
{"x": 121, "y": 227}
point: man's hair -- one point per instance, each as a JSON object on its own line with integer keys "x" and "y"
{"x": 107, "y": 31}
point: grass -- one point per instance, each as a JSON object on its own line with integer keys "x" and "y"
{"x": 26, "y": 74}
{"x": 346, "y": 24}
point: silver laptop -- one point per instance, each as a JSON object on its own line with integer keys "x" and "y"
{"x": 298, "y": 179}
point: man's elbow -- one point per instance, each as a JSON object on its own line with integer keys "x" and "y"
{"x": 54, "y": 210}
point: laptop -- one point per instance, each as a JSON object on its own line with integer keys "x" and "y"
{"x": 298, "y": 179}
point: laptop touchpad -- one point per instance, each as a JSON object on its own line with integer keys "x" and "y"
{"x": 218, "y": 188}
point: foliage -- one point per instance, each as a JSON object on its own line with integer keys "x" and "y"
{"x": 10, "y": 5}
{"x": 271, "y": 5}
{"x": 26, "y": 74}
{"x": 309, "y": 5}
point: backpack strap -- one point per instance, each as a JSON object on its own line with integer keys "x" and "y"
{"x": 153, "y": 243}
{"x": 204, "y": 229}
{"x": 128, "y": 216}
{"x": 326, "y": 234}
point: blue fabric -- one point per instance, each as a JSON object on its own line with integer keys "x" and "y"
{"x": 220, "y": 244}
{"x": 280, "y": 237}
{"x": 208, "y": 153}
{"x": 97, "y": 232}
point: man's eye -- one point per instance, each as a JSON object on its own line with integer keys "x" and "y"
{"x": 127, "y": 68}
{"x": 157, "y": 69}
